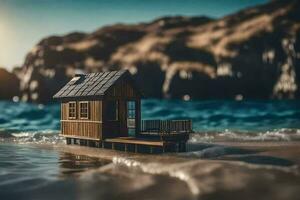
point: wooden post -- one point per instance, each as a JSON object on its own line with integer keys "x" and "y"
{"x": 126, "y": 148}
{"x": 177, "y": 147}
{"x": 136, "y": 148}
{"x": 151, "y": 149}
{"x": 102, "y": 144}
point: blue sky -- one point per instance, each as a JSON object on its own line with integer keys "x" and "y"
{"x": 23, "y": 23}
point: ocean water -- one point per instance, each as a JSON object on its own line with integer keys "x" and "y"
{"x": 207, "y": 116}
{"x": 31, "y": 168}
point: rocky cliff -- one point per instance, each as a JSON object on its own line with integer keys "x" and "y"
{"x": 9, "y": 85}
{"x": 250, "y": 54}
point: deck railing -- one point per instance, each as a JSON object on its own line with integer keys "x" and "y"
{"x": 166, "y": 126}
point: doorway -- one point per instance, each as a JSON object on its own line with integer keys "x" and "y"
{"x": 131, "y": 108}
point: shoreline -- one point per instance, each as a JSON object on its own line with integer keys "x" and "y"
{"x": 132, "y": 175}
{"x": 281, "y": 150}
{"x": 281, "y": 154}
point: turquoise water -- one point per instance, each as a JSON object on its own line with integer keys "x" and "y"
{"x": 29, "y": 169}
{"x": 218, "y": 115}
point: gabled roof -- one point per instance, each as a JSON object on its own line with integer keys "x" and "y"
{"x": 94, "y": 84}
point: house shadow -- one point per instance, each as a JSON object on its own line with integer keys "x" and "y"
{"x": 71, "y": 164}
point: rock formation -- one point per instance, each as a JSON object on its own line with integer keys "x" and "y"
{"x": 9, "y": 85}
{"x": 250, "y": 54}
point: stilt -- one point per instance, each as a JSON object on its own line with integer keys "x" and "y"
{"x": 126, "y": 148}
{"x": 151, "y": 150}
{"x": 135, "y": 148}
{"x": 68, "y": 140}
{"x": 184, "y": 149}
{"x": 177, "y": 147}
{"x": 113, "y": 146}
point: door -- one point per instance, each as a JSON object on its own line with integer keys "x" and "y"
{"x": 131, "y": 121}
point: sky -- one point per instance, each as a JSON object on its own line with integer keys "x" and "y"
{"x": 23, "y": 23}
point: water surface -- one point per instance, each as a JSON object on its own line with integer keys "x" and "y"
{"x": 31, "y": 169}
{"x": 211, "y": 115}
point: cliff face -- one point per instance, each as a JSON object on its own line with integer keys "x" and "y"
{"x": 250, "y": 54}
{"x": 9, "y": 85}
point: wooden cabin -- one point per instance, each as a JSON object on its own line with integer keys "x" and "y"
{"x": 104, "y": 110}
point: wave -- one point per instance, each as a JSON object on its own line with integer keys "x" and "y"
{"x": 202, "y": 177}
{"x": 277, "y": 135}
{"x": 229, "y": 135}
{"x": 37, "y": 137}
{"x": 172, "y": 170}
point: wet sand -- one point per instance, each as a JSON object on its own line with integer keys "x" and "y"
{"x": 284, "y": 150}
{"x": 262, "y": 170}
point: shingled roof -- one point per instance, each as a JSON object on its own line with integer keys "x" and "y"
{"x": 94, "y": 84}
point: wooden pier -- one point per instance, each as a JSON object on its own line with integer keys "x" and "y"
{"x": 132, "y": 144}
{"x": 156, "y": 136}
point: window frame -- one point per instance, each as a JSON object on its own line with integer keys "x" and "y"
{"x": 131, "y": 114}
{"x": 75, "y": 109}
{"x": 131, "y": 110}
{"x": 87, "y": 109}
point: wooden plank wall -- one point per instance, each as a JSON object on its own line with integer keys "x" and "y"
{"x": 82, "y": 128}
{"x": 122, "y": 92}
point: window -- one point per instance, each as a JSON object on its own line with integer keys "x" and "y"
{"x": 72, "y": 110}
{"x": 131, "y": 109}
{"x": 84, "y": 110}
{"x": 112, "y": 110}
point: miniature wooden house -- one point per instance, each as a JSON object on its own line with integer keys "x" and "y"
{"x": 100, "y": 105}
{"x": 104, "y": 108}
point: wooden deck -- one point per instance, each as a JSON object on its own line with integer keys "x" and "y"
{"x": 132, "y": 144}
{"x": 132, "y": 140}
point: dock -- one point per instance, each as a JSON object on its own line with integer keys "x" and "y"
{"x": 155, "y": 136}
{"x": 132, "y": 140}
{"x": 131, "y": 144}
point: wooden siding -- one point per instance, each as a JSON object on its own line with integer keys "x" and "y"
{"x": 121, "y": 92}
{"x": 95, "y": 113}
{"x": 97, "y": 126}
{"x": 86, "y": 128}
